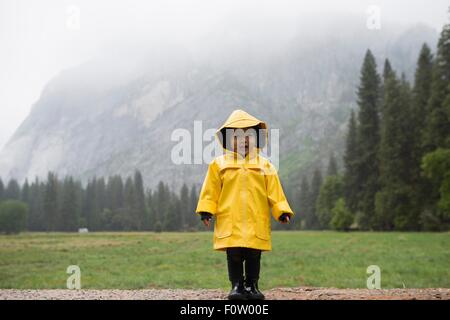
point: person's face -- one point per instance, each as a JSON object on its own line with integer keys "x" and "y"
{"x": 244, "y": 140}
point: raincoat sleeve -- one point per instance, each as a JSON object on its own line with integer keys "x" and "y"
{"x": 210, "y": 192}
{"x": 277, "y": 200}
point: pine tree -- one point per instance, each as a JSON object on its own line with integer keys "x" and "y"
{"x": 368, "y": 138}
{"x": 436, "y": 136}
{"x": 51, "y": 212}
{"x": 293, "y": 193}
{"x": 129, "y": 197}
{"x": 139, "y": 202}
{"x": 332, "y": 169}
{"x": 25, "y": 192}
{"x": 394, "y": 202}
{"x": 36, "y": 204}
{"x": 151, "y": 209}
{"x": 387, "y": 70}
{"x": 305, "y": 205}
{"x": 100, "y": 192}
{"x": 12, "y": 191}
{"x": 437, "y": 132}
{"x": 193, "y": 199}
{"x": 351, "y": 157}
{"x": 114, "y": 193}
{"x": 161, "y": 204}
{"x": 172, "y": 217}
{"x": 84, "y": 207}
{"x": 422, "y": 186}
{"x": 186, "y": 213}
{"x": 422, "y": 91}
{"x": 70, "y": 203}
{"x": 25, "y": 197}
{"x": 91, "y": 211}
{"x": 2, "y": 190}
{"x": 312, "y": 220}
{"x": 79, "y": 191}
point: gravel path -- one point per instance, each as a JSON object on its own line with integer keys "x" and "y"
{"x": 300, "y": 293}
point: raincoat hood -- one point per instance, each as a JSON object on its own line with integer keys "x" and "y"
{"x": 241, "y": 119}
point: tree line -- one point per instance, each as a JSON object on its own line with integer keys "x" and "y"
{"x": 102, "y": 205}
{"x": 397, "y": 159}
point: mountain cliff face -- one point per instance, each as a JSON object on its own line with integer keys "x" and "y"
{"x": 117, "y": 113}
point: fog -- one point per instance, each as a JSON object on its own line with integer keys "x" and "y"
{"x": 39, "y": 39}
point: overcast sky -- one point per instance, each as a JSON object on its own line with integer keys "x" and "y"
{"x": 40, "y": 38}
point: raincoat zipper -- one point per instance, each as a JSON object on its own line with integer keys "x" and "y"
{"x": 245, "y": 204}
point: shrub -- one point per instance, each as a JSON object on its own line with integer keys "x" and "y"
{"x": 13, "y": 215}
{"x": 342, "y": 217}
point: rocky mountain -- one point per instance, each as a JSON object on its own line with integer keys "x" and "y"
{"x": 117, "y": 113}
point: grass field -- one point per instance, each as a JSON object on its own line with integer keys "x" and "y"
{"x": 186, "y": 260}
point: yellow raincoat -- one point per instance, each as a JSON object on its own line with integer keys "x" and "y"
{"x": 239, "y": 192}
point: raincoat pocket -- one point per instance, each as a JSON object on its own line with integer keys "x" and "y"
{"x": 223, "y": 225}
{"x": 263, "y": 228}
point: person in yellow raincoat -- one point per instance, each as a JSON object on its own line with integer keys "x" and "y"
{"x": 241, "y": 189}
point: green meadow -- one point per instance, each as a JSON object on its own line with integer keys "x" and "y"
{"x": 187, "y": 260}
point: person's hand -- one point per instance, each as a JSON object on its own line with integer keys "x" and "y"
{"x": 284, "y": 218}
{"x": 206, "y": 218}
{"x": 206, "y": 222}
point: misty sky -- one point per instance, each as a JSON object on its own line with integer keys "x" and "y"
{"x": 40, "y": 38}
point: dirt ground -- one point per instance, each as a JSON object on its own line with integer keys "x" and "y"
{"x": 300, "y": 293}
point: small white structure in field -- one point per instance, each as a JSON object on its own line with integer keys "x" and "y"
{"x": 83, "y": 230}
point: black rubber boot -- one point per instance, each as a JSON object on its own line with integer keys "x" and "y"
{"x": 235, "y": 259}
{"x": 252, "y": 268}
{"x": 238, "y": 291}
{"x": 253, "y": 292}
